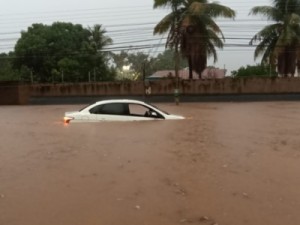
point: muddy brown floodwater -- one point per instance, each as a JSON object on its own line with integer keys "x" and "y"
{"x": 228, "y": 164}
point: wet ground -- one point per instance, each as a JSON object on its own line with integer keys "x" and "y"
{"x": 228, "y": 164}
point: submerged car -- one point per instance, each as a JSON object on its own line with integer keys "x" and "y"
{"x": 119, "y": 110}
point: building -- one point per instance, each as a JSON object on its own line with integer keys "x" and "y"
{"x": 208, "y": 73}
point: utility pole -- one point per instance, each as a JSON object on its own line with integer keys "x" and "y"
{"x": 176, "y": 91}
{"x": 94, "y": 74}
{"x": 286, "y": 6}
{"x": 176, "y": 36}
{"x": 144, "y": 77}
{"x": 62, "y": 76}
{"x": 31, "y": 77}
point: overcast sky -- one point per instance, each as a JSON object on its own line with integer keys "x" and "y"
{"x": 128, "y": 22}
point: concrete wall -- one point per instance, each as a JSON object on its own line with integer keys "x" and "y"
{"x": 166, "y": 87}
{"x": 14, "y": 93}
{"x": 87, "y": 89}
{"x": 243, "y": 86}
{"x": 17, "y": 93}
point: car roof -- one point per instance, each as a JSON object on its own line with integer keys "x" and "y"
{"x": 120, "y": 101}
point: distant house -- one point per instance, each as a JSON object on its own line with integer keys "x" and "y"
{"x": 164, "y": 74}
{"x": 208, "y": 73}
{"x": 213, "y": 73}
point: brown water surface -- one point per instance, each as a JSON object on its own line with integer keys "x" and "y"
{"x": 228, "y": 164}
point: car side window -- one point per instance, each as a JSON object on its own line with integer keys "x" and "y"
{"x": 140, "y": 110}
{"x": 111, "y": 109}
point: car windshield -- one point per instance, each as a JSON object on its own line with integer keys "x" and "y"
{"x": 154, "y": 106}
{"x": 86, "y": 106}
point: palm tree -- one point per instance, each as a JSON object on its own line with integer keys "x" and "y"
{"x": 97, "y": 37}
{"x": 97, "y": 41}
{"x": 192, "y": 22}
{"x": 279, "y": 43}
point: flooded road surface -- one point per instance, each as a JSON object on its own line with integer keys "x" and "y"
{"x": 229, "y": 164}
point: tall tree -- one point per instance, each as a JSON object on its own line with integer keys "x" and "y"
{"x": 279, "y": 43}
{"x": 6, "y": 70}
{"x": 97, "y": 41}
{"x": 130, "y": 64}
{"x": 193, "y": 23}
{"x": 98, "y": 38}
{"x": 165, "y": 61}
{"x": 62, "y": 51}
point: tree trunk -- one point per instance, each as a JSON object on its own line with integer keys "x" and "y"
{"x": 200, "y": 63}
{"x": 287, "y": 62}
{"x": 190, "y": 67}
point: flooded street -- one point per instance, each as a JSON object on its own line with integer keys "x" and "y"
{"x": 228, "y": 164}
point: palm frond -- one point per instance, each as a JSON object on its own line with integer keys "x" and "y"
{"x": 269, "y": 12}
{"x": 287, "y": 6}
{"x": 211, "y": 51}
{"x": 267, "y": 31}
{"x": 269, "y": 56}
{"x": 165, "y": 24}
{"x": 216, "y": 10}
{"x": 167, "y": 3}
{"x": 161, "y": 3}
{"x": 210, "y": 24}
{"x": 196, "y": 8}
{"x": 215, "y": 39}
{"x": 262, "y": 47}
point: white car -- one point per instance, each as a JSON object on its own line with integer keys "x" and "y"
{"x": 119, "y": 110}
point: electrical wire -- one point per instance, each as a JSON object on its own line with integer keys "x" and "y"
{"x": 134, "y": 32}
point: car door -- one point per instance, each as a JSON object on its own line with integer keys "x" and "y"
{"x": 142, "y": 112}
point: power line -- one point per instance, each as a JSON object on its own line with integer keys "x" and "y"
{"x": 227, "y": 26}
{"x": 131, "y": 7}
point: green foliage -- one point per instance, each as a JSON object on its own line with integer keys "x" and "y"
{"x": 62, "y": 51}
{"x": 279, "y": 42}
{"x": 131, "y": 66}
{"x": 254, "y": 70}
{"x": 165, "y": 61}
{"x": 6, "y": 70}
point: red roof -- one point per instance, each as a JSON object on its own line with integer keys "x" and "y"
{"x": 208, "y": 73}
{"x": 183, "y": 74}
